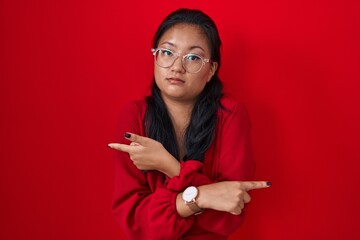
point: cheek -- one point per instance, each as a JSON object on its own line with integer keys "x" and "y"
{"x": 205, "y": 77}
{"x": 210, "y": 74}
{"x": 158, "y": 73}
{"x": 206, "y": 74}
{"x": 200, "y": 83}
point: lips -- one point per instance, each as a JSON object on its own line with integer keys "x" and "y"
{"x": 174, "y": 80}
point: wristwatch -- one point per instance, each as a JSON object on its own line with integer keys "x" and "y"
{"x": 189, "y": 196}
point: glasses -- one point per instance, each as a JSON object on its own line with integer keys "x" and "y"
{"x": 165, "y": 58}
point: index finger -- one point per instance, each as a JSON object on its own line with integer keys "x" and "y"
{"x": 121, "y": 147}
{"x": 250, "y": 185}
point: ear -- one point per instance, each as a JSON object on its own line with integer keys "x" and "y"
{"x": 213, "y": 68}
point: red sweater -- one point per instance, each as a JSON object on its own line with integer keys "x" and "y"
{"x": 144, "y": 203}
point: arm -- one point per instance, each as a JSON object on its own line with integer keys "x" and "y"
{"x": 148, "y": 154}
{"x": 224, "y": 196}
{"x": 142, "y": 212}
{"x": 235, "y": 164}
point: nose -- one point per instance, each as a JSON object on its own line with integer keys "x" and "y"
{"x": 177, "y": 65}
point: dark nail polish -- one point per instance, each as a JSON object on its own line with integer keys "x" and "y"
{"x": 268, "y": 184}
{"x": 127, "y": 135}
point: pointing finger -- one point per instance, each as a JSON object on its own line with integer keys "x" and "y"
{"x": 120, "y": 147}
{"x": 250, "y": 185}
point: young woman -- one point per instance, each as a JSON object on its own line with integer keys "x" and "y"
{"x": 186, "y": 155}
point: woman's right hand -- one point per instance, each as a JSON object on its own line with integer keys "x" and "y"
{"x": 228, "y": 196}
{"x": 148, "y": 154}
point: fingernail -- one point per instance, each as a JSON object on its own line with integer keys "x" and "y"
{"x": 127, "y": 135}
{"x": 268, "y": 184}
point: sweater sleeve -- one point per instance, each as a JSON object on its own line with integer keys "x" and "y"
{"x": 235, "y": 164}
{"x": 142, "y": 211}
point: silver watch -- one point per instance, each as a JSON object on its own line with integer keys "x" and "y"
{"x": 189, "y": 197}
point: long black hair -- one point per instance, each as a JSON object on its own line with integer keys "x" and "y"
{"x": 201, "y": 129}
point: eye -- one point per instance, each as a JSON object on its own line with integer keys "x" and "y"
{"x": 166, "y": 52}
{"x": 192, "y": 58}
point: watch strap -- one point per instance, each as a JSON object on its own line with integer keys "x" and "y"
{"x": 194, "y": 207}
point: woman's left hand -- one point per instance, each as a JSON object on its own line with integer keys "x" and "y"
{"x": 148, "y": 154}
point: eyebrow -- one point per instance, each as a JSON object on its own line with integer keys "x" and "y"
{"x": 191, "y": 48}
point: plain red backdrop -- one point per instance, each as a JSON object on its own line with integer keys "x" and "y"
{"x": 67, "y": 67}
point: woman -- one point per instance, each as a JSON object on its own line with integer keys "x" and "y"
{"x": 186, "y": 151}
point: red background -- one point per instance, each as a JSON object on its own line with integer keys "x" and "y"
{"x": 67, "y": 67}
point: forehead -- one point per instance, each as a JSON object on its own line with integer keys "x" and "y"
{"x": 185, "y": 36}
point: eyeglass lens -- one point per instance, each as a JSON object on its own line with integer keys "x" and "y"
{"x": 165, "y": 58}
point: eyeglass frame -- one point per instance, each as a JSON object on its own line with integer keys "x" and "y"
{"x": 203, "y": 60}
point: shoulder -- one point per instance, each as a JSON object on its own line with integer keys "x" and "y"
{"x": 131, "y": 118}
{"x": 134, "y": 107}
{"x": 233, "y": 113}
{"x": 133, "y": 112}
{"x": 231, "y": 106}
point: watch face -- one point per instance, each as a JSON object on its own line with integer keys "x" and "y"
{"x": 189, "y": 194}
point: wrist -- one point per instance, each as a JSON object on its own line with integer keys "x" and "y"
{"x": 170, "y": 166}
{"x": 202, "y": 200}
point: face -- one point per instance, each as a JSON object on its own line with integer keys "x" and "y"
{"x": 174, "y": 82}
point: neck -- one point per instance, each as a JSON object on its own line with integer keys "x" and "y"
{"x": 179, "y": 111}
{"x": 180, "y": 115}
